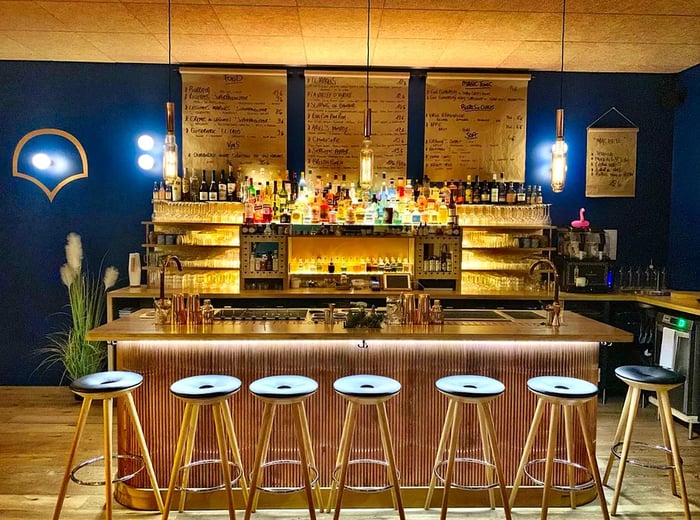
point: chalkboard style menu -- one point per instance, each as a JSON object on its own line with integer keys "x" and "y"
{"x": 234, "y": 115}
{"x": 475, "y": 125}
{"x": 611, "y": 162}
{"x": 335, "y": 111}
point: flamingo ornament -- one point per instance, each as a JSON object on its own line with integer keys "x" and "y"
{"x": 581, "y": 223}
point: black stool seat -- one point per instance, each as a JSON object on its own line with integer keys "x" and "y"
{"x": 470, "y": 386}
{"x": 650, "y": 375}
{"x": 283, "y": 386}
{"x": 367, "y": 385}
{"x": 111, "y": 381}
{"x": 564, "y": 387}
{"x": 205, "y": 386}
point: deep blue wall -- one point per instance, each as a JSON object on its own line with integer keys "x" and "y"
{"x": 107, "y": 106}
{"x": 684, "y": 255}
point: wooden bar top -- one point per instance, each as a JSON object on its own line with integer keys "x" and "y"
{"x": 140, "y": 326}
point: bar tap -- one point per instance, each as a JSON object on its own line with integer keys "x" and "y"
{"x": 163, "y": 305}
{"x": 554, "y": 309}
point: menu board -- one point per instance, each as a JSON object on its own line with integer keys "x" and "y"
{"x": 335, "y": 112}
{"x": 234, "y": 115}
{"x": 475, "y": 125}
{"x": 611, "y": 162}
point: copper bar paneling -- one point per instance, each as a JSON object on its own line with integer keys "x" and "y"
{"x": 415, "y": 415}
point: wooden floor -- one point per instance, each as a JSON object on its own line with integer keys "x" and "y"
{"x": 37, "y": 424}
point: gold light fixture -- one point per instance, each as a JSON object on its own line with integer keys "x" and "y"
{"x": 560, "y": 148}
{"x": 170, "y": 154}
{"x": 366, "y": 152}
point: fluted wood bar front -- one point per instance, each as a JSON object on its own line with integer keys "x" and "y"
{"x": 415, "y": 355}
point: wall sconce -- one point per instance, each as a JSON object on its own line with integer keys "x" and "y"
{"x": 41, "y": 161}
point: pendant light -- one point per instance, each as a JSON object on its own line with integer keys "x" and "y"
{"x": 366, "y": 152}
{"x": 170, "y": 155}
{"x": 560, "y": 148}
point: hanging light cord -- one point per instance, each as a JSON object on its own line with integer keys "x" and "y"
{"x": 561, "y": 71}
{"x": 367, "y": 130}
{"x": 170, "y": 44}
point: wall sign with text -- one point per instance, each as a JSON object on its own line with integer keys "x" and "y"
{"x": 611, "y": 162}
{"x": 475, "y": 125}
{"x": 234, "y": 115}
{"x": 335, "y": 112}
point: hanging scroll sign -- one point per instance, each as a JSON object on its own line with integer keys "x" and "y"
{"x": 611, "y": 160}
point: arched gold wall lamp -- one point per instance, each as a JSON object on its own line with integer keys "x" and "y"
{"x": 50, "y": 193}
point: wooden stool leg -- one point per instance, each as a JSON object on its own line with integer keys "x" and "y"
{"x": 488, "y": 456}
{"x": 485, "y": 411}
{"x": 346, "y": 444}
{"x": 452, "y": 452}
{"x": 217, "y": 411}
{"x": 539, "y": 410}
{"x": 618, "y": 433}
{"x": 297, "y": 411}
{"x": 80, "y": 427}
{"x": 592, "y": 461}
{"x": 187, "y": 456}
{"x": 107, "y": 413}
{"x": 678, "y": 464}
{"x": 569, "y": 453}
{"x": 345, "y": 437}
{"x": 233, "y": 441}
{"x": 391, "y": 459}
{"x": 554, "y": 411}
{"x": 667, "y": 443}
{"x": 310, "y": 454}
{"x": 260, "y": 454}
{"x": 632, "y": 414}
{"x": 179, "y": 452}
{"x": 446, "y": 428}
{"x": 131, "y": 407}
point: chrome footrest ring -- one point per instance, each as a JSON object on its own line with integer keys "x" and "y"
{"x": 207, "y": 462}
{"x": 89, "y": 462}
{"x": 313, "y": 477}
{"x": 364, "y": 489}
{"x": 615, "y": 450}
{"x": 560, "y": 487}
{"x": 462, "y": 460}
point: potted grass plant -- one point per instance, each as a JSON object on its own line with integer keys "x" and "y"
{"x": 86, "y": 303}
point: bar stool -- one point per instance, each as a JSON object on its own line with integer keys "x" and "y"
{"x": 365, "y": 390}
{"x": 106, "y": 386}
{"x": 277, "y": 391}
{"x": 198, "y": 391}
{"x": 660, "y": 380}
{"x": 567, "y": 394}
{"x": 460, "y": 390}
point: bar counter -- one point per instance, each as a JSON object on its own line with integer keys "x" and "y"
{"x": 415, "y": 355}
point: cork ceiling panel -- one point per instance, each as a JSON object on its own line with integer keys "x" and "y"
{"x": 625, "y": 35}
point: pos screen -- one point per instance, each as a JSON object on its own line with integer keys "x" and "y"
{"x": 397, "y": 282}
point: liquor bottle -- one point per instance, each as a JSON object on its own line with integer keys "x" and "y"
{"x": 156, "y": 189}
{"x": 510, "y": 195}
{"x": 231, "y": 194}
{"x": 468, "y": 190}
{"x": 495, "y": 190}
{"x": 485, "y": 193}
{"x": 520, "y": 193}
{"x": 408, "y": 191}
{"x": 539, "y": 195}
{"x": 282, "y": 198}
{"x": 213, "y": 188}
{"x": 275, "y": 203}
{"x": 176, "y": 191}
{"x": 203, "y": 189}
{"x": 194, "y": 186}
{"x": 186, "y": 185}
{"x": 168, "y": 191}
{"x": 223, "y": 188}
{"x": 502, "y": 190}
{"x": 302, "y": 180}
{"x": 528, "y": 195}
{"x": 476, "y": 191}
{"x": 251, "y": 190}
{"x": 161, "y": 191}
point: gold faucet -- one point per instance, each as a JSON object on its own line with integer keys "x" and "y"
{"x": 553, "y": 310}
{"x": 166, "y": 262}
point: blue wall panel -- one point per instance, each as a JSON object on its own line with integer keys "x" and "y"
{"x": 106, "y": 106}
{"x": 684, "y": 256}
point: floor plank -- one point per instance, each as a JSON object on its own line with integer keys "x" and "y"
{"x": 37, "y": 423}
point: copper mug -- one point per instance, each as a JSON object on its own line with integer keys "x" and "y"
{"x": 408, "y": 304}
{"x": 423, "y": 309}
